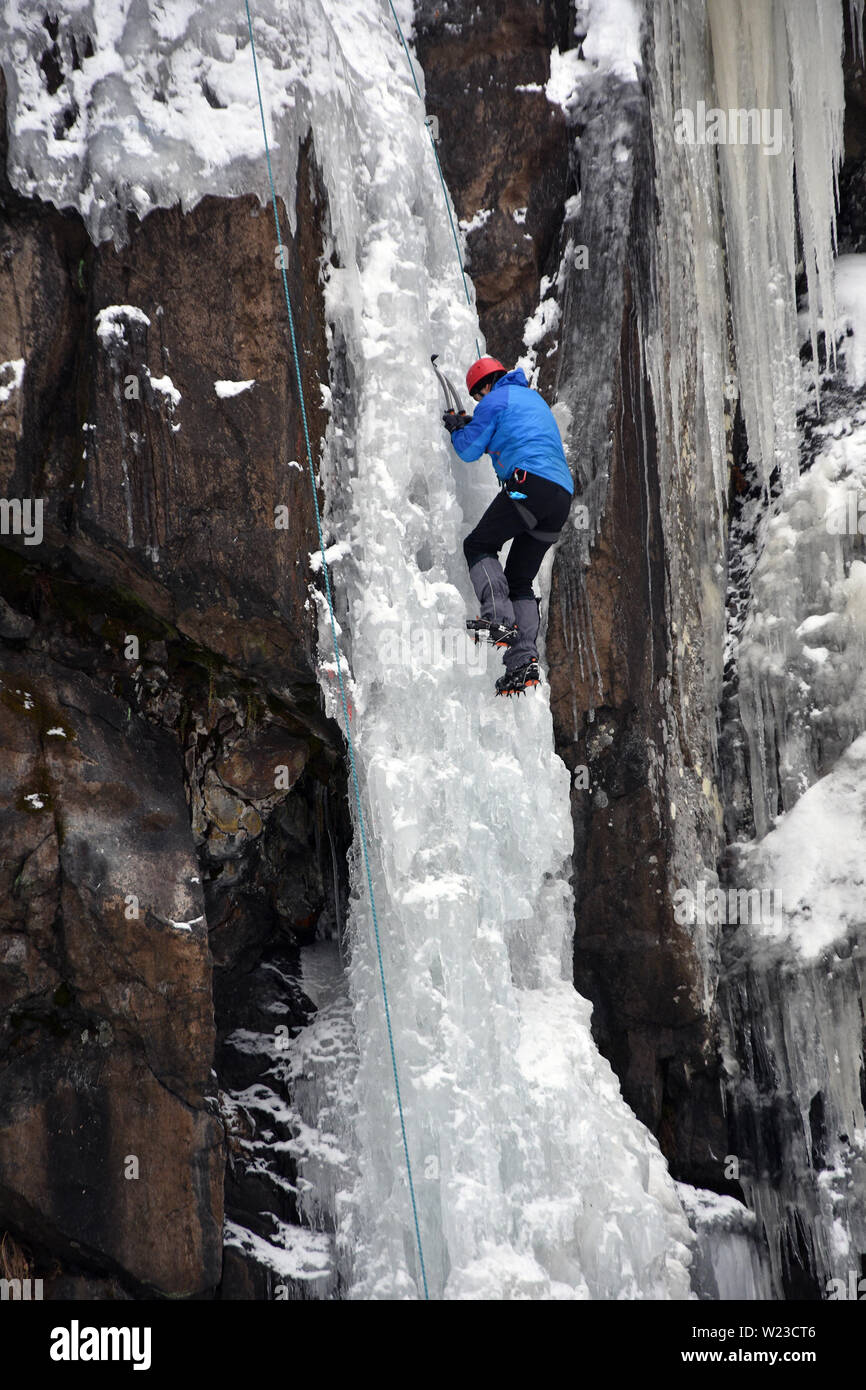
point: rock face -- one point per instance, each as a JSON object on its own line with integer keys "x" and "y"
{"x": 503, "y": 147}
{"x": 108, "y": 1031}
{"x": 166, "y": 761}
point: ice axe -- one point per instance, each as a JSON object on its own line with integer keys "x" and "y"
{"x": 452, "y": 400}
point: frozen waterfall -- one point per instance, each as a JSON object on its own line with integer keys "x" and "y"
{"x": 533, "y": 1178}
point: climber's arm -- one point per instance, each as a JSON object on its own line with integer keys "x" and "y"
{"x": 473, "y": 440}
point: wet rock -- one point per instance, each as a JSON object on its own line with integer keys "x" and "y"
{"x": 251, "y": 767}
{"x": 14, "y": 627}
{"x": 162, "y": 612}
{"x": 107, "y": 1039}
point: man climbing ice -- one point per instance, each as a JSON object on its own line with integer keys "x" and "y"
{"x": 515, "y": 426}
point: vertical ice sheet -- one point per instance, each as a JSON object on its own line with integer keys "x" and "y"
{"x": 793, "y": 1026}
{"x": 532, "y": 1179}
{"x": 792, "y": 999}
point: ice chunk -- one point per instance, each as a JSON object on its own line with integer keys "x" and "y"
{"x": 333, "y": 555}
{"x": 730, "y": 1261}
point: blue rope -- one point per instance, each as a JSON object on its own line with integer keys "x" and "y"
{"x": 438, "y": 166}
{"x": 337, "y": 655}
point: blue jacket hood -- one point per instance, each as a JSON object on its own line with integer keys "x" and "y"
{"x": 515, "y": 378}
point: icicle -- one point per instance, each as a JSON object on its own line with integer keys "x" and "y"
{"x": 855, "y": 15}
{"x": 777, "y": 62}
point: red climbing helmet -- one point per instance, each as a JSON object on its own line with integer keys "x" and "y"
{"x": 481, "y": 370}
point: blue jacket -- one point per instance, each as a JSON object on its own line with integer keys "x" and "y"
{"x": 515, "y": 426}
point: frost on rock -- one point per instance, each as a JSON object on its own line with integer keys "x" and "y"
{"x": 298, "y": 1118}
{"x": 292, "y": 1252}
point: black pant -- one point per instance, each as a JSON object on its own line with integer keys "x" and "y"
{"x": 549, "y": 504}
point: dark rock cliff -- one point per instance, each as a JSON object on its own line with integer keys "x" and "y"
{"x": 157, "y": 670}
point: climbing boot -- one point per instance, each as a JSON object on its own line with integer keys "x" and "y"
{"x": 517, "y": 681}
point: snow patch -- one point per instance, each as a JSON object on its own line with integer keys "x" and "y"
{"x": 186, "y": 926}
{"x": 11, "y": 378}
{"x": 165, "y": 386}
{"x": 814, "y": 857}
{"x": 111, "y": 321}
{"x": 333, "y": 554}
{"x": 226, "y": 389}
{"x": 476, "y": 222}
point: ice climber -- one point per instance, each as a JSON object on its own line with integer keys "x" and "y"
{"x": 515, "y": 426}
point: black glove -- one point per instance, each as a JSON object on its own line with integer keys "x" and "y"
{"x": 452, "y": 421}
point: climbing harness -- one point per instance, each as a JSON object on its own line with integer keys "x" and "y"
{"x": 519, "y": 498}
{"x": 517, "y": 479}
{"x": 337, "y": 657}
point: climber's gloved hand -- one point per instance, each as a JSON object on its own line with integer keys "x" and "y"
{"x": 452, "y": 420}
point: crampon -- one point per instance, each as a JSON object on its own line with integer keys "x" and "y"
{"x": 500, "y": 634}
{"x": 518, "y": 681}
